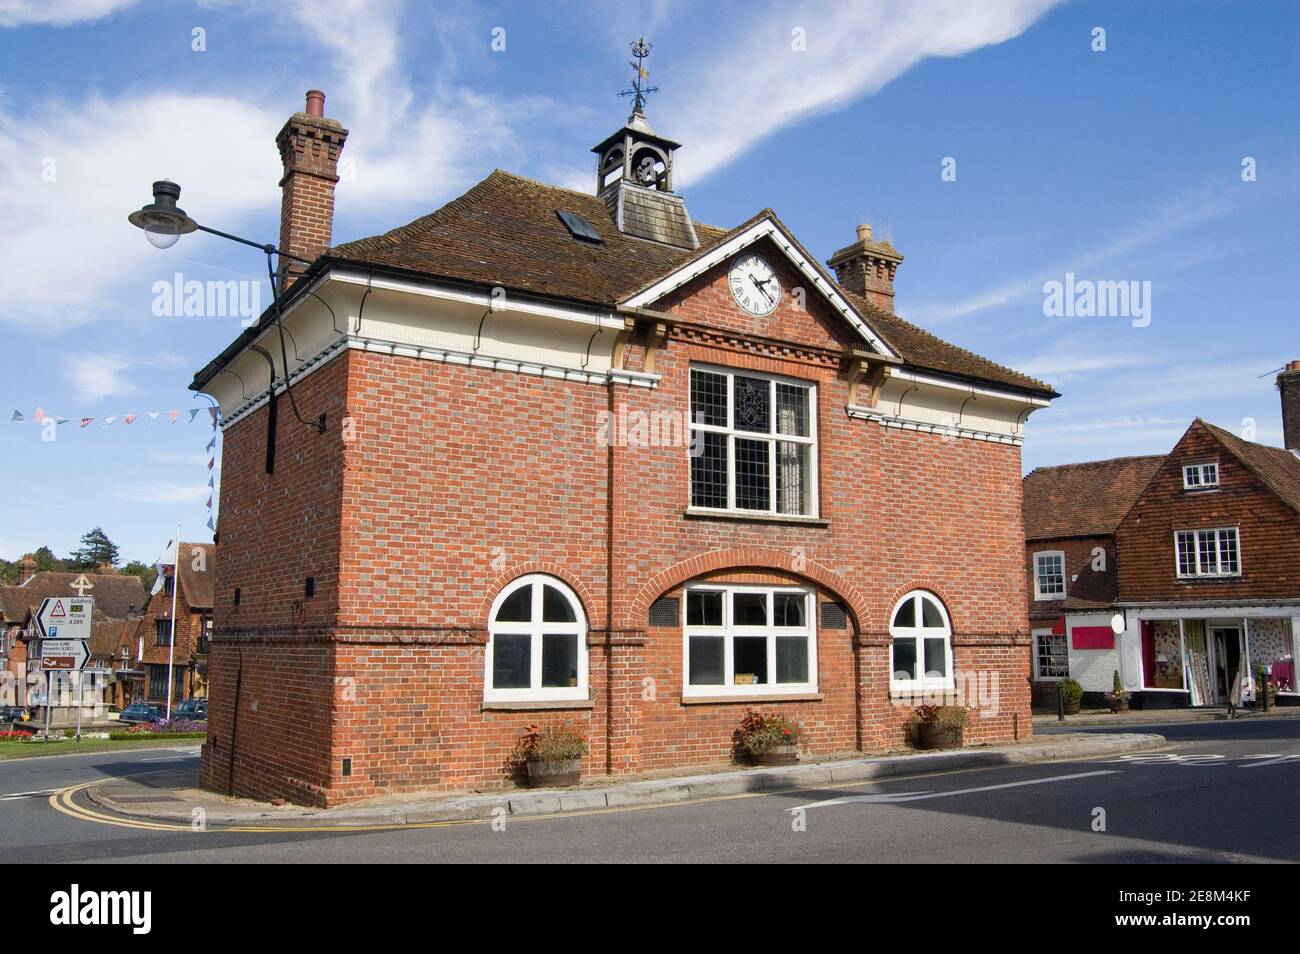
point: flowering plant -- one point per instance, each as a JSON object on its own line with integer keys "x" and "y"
{"x": 941, "y": 715}
{"x": 759, "y": 733}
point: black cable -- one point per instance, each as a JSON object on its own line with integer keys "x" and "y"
{"x": 318, "y": 425}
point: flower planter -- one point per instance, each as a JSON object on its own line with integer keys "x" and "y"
{"x": 1072, "y": 706}
{"x": 777, "y": 755}
{"x": 553, "y": 774}
{"x": 932, "y": 735}
{"x": 1119, "y": 705}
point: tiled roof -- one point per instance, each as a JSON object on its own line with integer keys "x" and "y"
{"x": 1081, "y": 500}
{"x": 117, "y": 595}
{"x": 1279, "y": 469}
{"x": 504, "y": 231}
{"x": 197, "y": 584}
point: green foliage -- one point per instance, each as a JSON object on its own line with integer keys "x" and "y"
{"x": 96, "y": 550}
{"x": 144, "y": 571}
{"x": 1072, "y": 689}
{"x": 1117, "y": 687}
{"x": 760, "y": 733}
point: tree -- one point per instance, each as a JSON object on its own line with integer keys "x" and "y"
{"x": 96, "y": 550}
{"x": 46, "y": 560}
{"x": 144, "y": 571}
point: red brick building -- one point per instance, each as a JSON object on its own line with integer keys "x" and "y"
{"x": 152, "y": 646}
{"x": 584, "y": 457}
{"x": 1176, "y": 571}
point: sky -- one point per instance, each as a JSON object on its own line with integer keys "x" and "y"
{"x": 1000, "y": 144}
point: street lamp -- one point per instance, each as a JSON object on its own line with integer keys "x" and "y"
{"x": 164, "y": 222}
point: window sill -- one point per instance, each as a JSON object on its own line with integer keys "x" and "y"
{"x": 524, "y": 705}
{"x": 752, "y": 698}
{"x": 1211, "y": 578}
{"x": 700, "y": 513}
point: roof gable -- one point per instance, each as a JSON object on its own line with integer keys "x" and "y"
{"x": 1278, "y": 469}
{"x": 765, "y": 225}
{"x": 116, "y": 595}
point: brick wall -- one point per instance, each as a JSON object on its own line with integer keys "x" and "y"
{"x": 462, "y": 479}
{"x": 1269, "y": 531}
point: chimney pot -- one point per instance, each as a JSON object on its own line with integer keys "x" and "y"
{"x": 316, "y": 103}
{"x": 864, "y": 232}
{"x": 1288, "y": 385}
{"x": 309, "y": 146}
{"x": 868, "y": 268}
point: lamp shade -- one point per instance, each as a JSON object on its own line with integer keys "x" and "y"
{"x": 162, "y": 220}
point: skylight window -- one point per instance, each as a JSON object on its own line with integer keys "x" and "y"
{"x": 579, "y": 227}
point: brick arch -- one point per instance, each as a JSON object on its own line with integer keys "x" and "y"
{"x": 747, "y": 558}
{"x": 536, "y": 566}
{"x": 933, "y": 586}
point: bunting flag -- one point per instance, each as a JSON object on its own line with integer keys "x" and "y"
{"x": 129, "y": 418}
{"x": 211, "y": 444}
{"x": 110, "y": 419}
{"x": 17, "y": 418}
{"x": 173, "y": 415}
{"x": 193, "y": 412}
{"x": 86, "y": 420}
{"x": 39, "y": 416}
{"x": 153, "y": 417}
{"x": 211, "y": 525}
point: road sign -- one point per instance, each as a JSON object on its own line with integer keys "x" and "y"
{"x": 81, "y": 584}
{"x": 64, "y": 654}
{"x": 65, "y": 617}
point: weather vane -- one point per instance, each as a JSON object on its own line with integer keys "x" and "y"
{"x": 640, "y": 49}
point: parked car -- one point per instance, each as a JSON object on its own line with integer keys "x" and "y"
{"x": 140, "y": 712}
{"x": 191, "y": 709}
{"x": 15, "y": 714}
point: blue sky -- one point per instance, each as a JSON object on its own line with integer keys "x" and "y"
{"x": 1122, "y": 165}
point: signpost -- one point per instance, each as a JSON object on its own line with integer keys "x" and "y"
{"x": 63, "y": 623}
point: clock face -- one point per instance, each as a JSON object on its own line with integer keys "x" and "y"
{"x": 754, "y": 285}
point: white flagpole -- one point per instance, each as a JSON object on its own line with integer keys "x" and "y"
{"x": 171, "y": 643}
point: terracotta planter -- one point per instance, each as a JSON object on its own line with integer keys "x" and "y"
{"x": 777, "y": 755}
{"x": 556, "y": 774}
{"x": 932, "y": 735}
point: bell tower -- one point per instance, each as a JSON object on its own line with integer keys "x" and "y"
{"x": 634, "y": 171}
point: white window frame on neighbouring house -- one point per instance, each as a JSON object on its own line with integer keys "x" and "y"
{"x": 536, "y": 628}
{"x": 1042, "y": 659}
{"x": 773, "y": 438}
{"x": 728, "y": 631}
{"x": 1203, "y": 475}
{"x": 921, "y": 634}
{"x": 1208, "y": 550}
{"x": 1039, "y": 592}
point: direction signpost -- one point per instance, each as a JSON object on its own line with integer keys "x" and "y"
{"x": 63, "y": 623}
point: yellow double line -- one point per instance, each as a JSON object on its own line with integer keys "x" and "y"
{"x": 63, "y": 802}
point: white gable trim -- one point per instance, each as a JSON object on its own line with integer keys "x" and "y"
{"x": 765, "y": 228}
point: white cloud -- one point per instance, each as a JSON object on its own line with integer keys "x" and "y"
{"x": 98, "y": 376}
{"x": 754, "y": 83}
{"x": 58, "y": 12}
{"x": 1069, "y": 360}
{"x": 95, "y": 377}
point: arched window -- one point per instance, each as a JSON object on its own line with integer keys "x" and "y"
{"x": 921, "y": 650}
{"x": 537, "y": 643}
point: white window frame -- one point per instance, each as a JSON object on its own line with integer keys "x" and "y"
{"x": 772, "y": 437}
{"x": 535, "y": 629}
{"x": 729, "y": 632}
{"x": 1038, "y": 588}
{"x": 1039, "y": 676}
{"x": 1197, "y": 573}
{"x": 920, "y": 633}
{"x": 1194, "y": 475}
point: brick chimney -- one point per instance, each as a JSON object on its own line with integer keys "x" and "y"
{"x": 106, "y": 569}
{"x": 867, "y": 267}
{"x": 309, "y": 148}
{"x": 1288, "y": 383}
{"x": 26, "y": 568}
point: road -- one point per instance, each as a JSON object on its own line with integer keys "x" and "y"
{"x": 1223, "y": 793}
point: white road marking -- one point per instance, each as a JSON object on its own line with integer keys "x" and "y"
{"x": 918, "y": 796}
{"x": 1270, "y": 760}
{"x": 13, "y": 795}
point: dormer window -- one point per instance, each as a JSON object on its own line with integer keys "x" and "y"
{"x": 1201, "y": 476}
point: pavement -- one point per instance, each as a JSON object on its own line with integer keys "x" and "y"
{"x": 1092, "y": 717}
{"x": 172, "y": 796}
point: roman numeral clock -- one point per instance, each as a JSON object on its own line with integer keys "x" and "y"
{"x": 754, "y": 285}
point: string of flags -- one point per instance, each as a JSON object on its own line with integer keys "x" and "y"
{"x": 172, "y": 416}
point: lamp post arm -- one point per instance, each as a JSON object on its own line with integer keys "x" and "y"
{"x": 263, "y": 246}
